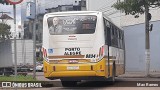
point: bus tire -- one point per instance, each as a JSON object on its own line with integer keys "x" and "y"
{"x": 69, "y": 83}
{"x": 113, "y": 73}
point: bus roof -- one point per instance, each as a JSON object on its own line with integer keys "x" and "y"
{"x": 72, "y": 12}
{"x": 81, "y": 12}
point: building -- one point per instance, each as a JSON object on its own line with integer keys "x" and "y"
{"x": 134, "y": 34}
{"x": 135, "y": 47}
{"x": 132, "y": 21}
{"x": 10, "y": 21}
{"x": 105, "y": 7}
{"x": 54, "y": 6}
{"x": 62, "y": 8}
{"x": 134, "y": 29}
{"x": 39, "y": 28}
{"x": 119, "y": 18}
{"x": 28, "y": 26}
{"x": 24, "y": 47}
{"x": 72, "y": 5}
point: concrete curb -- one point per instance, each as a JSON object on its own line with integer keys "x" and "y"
{"x": 132, "y": 76}
{"x": 140, "y": 75}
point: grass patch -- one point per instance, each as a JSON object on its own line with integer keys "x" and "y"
{"x": 18, "y": 78}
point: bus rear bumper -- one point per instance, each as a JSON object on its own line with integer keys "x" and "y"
{"x": 75, "y": 70}
{"x": 76, "y": 76}
{"x": 72, "y": 73}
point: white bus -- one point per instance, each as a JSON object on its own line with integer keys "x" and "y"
{"x": 82, "y": 45}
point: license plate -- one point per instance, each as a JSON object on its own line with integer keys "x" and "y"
{"x": 73, "y": 61}
{"x": 72, "y": 67}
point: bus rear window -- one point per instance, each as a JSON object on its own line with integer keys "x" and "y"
{"x": 63, "y": 25}
{"x": 88, "y": 26}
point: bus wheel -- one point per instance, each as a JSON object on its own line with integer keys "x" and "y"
{"x": 113, "y": 73}
{"x": 69, "y": 83}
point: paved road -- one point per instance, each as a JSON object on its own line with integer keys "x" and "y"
{"x": 122, "y": 83}
{"x": 99, "y": 88}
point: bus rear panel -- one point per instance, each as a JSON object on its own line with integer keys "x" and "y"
{"x": 78, "y": 50}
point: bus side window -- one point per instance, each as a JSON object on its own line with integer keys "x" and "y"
{"x": 123, "y": 40}
{"x": 107, "y": 32}
{"x": 113, "y": 36}
{"x": 118, "y": 38}
{"x": 109, "y": 36}
{"x": 113, "y": 31}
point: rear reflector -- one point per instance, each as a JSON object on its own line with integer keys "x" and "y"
{"x": 100, "y": 66}
{"x": 101, "y": 51}
{"x": 54, "y": 68}
{"x": 91, "y": 67}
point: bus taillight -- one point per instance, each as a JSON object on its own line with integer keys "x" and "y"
{"x": 101, "y": 51}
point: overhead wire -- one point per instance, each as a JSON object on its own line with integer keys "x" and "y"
{"x": 108, "y": 8}
{"x": 106, "y": 5}
{"x": 105, "y": 8}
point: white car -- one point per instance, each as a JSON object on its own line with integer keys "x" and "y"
{"x": 39, "y": 67}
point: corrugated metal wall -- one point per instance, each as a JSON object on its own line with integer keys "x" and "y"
{"x": 5, "y": 54}
{"x": 24, "y": 52}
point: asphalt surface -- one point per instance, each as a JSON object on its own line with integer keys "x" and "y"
{"x": 128, "y": 81}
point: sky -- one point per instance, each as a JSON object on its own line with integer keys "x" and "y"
{"x": 41, "y": 6}
{"x": 21, "y": 7}
{"x": 9, "y": 8}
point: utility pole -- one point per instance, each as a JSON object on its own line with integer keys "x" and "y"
{"x": 15, "y": 46}
{"x": 34, "y": 43}
{"x": 147, "y": 41}
{"x": 31, "y": 15}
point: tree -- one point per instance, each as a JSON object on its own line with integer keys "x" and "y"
{"x": 136, "y": 7}
{"x": 4, "y": 31}
{"x": 4, "y": 2}
{"x": 4, "y": 28}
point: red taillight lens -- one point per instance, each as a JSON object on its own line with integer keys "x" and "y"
{"x": 101, "y": 51}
